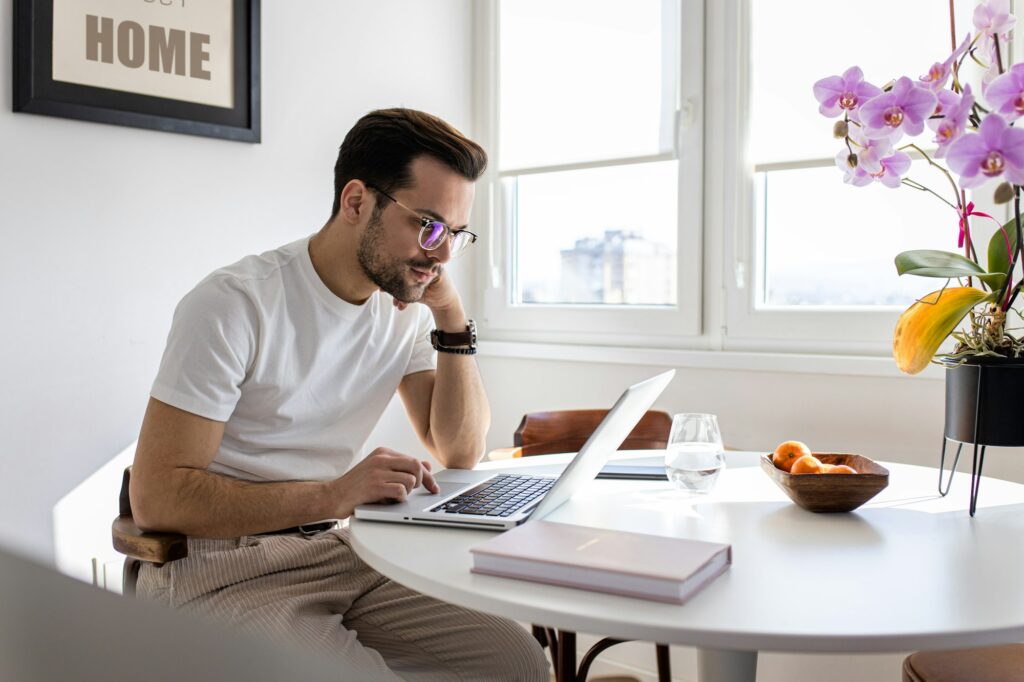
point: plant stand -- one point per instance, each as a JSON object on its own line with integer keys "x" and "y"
{"x": 982, "y": 410}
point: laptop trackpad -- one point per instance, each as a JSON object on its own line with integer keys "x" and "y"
{"x": 462, "y": 475}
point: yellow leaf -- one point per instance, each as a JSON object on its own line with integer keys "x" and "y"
{"x": 923, "y": 326}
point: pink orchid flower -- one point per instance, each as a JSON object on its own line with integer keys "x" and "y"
{"x": 950, "y": 118}
{"x": 901, "y": 110}
{"x": 836, "y": 94}
{"x": 996, "y": 150}
{"x": 939, "y": 72}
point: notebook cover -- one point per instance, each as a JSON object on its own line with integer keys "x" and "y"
{"x": 610, "y": 556}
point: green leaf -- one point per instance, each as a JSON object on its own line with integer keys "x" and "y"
{"x": 943, "y": 264}
{"x": 998, "y": 258}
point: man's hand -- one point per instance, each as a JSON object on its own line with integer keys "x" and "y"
{"x": 440, "y": 296}
{"x": 384, "y": 475}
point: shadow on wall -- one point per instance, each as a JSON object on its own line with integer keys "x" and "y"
{"x": 81, "y": 525}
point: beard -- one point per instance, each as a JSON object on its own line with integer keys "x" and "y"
{"x": 389, "y": 274}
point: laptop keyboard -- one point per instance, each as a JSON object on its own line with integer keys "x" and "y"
{"x": 503, "y": 495}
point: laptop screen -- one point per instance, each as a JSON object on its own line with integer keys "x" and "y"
{"x": 605, "y": 440}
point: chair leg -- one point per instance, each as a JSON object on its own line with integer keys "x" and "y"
{"x": 540, "y": 635}
{"x": 130, "y": 576}
{"x": 664, "y": 664}
{"x": 566, "y": 671}
{"x": 592, "y": 654}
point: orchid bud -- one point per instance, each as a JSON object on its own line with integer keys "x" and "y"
{"x": 1004, "y": 193}
{"x": 851, "y": 160}
{"x": 888, "y": 86}
{"x": 841, "y": 129}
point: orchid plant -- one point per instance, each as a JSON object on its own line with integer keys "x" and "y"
{"x": 974, "y": 138}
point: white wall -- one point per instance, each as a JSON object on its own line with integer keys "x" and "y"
{"x": 105, "y": 227}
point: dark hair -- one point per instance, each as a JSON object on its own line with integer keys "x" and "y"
{"x": 382, "y": 144}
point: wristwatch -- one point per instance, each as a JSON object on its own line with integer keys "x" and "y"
{"x": 461, "y": 343}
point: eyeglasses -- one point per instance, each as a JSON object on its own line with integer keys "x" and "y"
{"x": 433, "y": 233}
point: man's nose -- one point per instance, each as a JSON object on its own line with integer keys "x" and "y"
{"x": 443, "y": 253}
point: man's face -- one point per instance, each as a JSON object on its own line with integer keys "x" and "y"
{"x": 389, "y": 250}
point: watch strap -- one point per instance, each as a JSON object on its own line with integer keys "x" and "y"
{"x": 453, "y": 341}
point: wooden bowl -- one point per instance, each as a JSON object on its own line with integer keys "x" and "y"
{"x": 831, "y": 492}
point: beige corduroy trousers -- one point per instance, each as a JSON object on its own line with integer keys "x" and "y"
{"x": 315, "y": 591}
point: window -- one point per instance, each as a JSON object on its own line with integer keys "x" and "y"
{"x": 593, "y": 116}
{"x": 814, "y": 258}
{"x": 661, "y": 176}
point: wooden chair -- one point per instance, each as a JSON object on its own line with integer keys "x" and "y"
{"x": 544, "y": 433}
{"x": 987, "y": 664}
{"x": 139, "y": 546}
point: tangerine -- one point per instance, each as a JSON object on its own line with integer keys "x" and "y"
{"x": 789, "y": 452}
{"x": 841, "y": 469}
{"x": 808, "y": 464}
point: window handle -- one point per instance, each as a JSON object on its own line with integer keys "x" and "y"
{"x": 686, "y": 116}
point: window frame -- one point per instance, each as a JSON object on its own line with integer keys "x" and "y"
{"x": 848, "y": 330}
{"x": 632, "y": 325}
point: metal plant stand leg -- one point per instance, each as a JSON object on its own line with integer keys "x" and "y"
{"x": 980, "y": 433}
{"x": 979, "y": 462}
{"x": 952, "y": 469}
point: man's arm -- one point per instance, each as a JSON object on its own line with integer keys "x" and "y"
{"x": 171, "y": 490}
{"x": 448, "y": 407}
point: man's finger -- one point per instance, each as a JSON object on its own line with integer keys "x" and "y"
{"x": 428, "y": 479}
{"x": 405, "y": 479}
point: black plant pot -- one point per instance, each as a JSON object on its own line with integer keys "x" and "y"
{"x": 984, "y": 400}
{"x": 983, "y": 407}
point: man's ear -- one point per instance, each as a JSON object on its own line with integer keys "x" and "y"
{"x": 356, "y": 201}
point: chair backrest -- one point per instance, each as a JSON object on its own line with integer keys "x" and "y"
{"x": 138, "y": 545}
{"x": 543, "y": 433}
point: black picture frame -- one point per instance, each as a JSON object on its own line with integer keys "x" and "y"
{"x": 36, "y": 92}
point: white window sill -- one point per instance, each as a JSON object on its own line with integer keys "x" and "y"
{"x": 789, "y": 363}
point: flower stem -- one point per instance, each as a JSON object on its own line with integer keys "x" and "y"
{"x": 914, "y": 184}
{"x": 952, "y": 26}
{"x": 944, "y": 171}
{"x": 1013, "y": 297}
{"x": 1005, "y": 291}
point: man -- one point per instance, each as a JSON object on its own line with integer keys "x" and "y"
{"x": 275, "y": 372}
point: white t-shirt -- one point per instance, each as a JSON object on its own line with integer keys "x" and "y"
{"x": 299, "y": 375}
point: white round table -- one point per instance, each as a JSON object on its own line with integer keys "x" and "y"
{"x": 908, "y": 570}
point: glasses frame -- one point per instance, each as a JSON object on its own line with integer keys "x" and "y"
{"x": 427, "y": 226}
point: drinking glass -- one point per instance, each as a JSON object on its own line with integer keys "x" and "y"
{"x": 694, "y": 456}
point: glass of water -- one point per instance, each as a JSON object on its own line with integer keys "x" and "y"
{"x": 695, "y": 455}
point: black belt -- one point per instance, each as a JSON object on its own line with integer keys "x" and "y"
{"x": 308, "y": 529}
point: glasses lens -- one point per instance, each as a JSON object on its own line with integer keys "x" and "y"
{"x": 460, "y": 240}
{"x": 432, "y": 235}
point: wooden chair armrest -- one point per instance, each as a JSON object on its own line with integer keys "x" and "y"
{"x": 504, "y": 453}
{"x": 156, "y": 548}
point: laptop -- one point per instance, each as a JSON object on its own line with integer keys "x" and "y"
{"x": 498, "y": 500}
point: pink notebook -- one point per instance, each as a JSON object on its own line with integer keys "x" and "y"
{"x": 618, "y": 562}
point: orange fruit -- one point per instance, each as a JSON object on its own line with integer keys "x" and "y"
{"x": 827, "y": 468}
{"x": 808, "y": 464}
{"x": 841, "y": 469}
{"x": 789, "y": 452}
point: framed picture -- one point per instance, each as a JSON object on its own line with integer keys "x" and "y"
{"x": 182, "y": 66}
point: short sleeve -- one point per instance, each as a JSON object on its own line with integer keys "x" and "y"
{"x": 209, "y": 349}
{"x": 424, "y": 357}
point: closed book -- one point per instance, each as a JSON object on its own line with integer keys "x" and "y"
{"x": 618, "y": 562}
